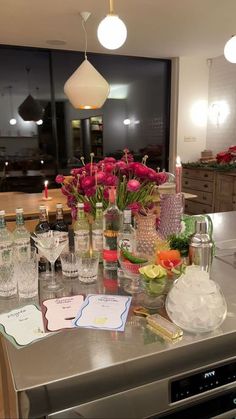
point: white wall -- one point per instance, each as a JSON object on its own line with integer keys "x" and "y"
{"x": 193, "y": 91}
{"x": 221, "y": 130}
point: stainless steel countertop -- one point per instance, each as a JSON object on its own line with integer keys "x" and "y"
{"x": 79, "y": 365}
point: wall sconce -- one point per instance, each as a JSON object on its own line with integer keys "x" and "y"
{"x": 230, "y": 50}
{"x": 218, "y": 112}
{"x": 112, "y": 32}
{"x": 86, "y": 88}
{"x": 198, "y": 113}
{"x": 126, "y": 121}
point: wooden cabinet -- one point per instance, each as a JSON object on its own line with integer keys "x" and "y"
{"x": 225, "y": 192}
{"x": 216, "y": 191}
{"x": 200, "y": 182}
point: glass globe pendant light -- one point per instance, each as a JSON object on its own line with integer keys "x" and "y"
{"x": 86, "y": 88}
{"x": 230, "y": 50}
{"x": 112, "y": 32}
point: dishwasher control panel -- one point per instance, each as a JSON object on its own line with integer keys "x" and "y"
{"x": 203, "y": 381}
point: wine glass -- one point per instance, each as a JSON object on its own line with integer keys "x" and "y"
{"x": 51, "y": 246}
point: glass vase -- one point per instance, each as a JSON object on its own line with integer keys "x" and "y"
{"x": 171, "y": 211}
{"x": 146, "y": 234}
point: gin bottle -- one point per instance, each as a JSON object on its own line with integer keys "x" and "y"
{"x": 81, "y": 230}
{"x": 111, "y": 227}
{"x": 97, "y": 230}
{"x": 126, "y": 235}
{"x": 61, "y": 231}
{"x": 43, "y": 225}
{"x": 21, "y": 235}
{"x": 8, "y": 283}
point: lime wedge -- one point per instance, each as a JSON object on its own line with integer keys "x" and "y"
{"x": 156, "y": 287}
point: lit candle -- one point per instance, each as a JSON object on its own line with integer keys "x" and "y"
{"x": 178, "y": 175}
{"x": 6, "y": 163}
{"x": 42, "y": 162}
{"x": 46, "y": 189}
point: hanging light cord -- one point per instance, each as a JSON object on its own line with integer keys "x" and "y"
{"x": 86, "y": 40}
{"x": 28, "y": 78}
{"x": 10, "y": 100}
{"x": 111, "y": 7}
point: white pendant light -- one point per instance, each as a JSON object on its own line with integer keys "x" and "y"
{"x": 112, "y": 32}
{"x": 230, "y": 50}
{"x": 86, "y": 88}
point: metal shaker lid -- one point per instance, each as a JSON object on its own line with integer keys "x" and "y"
{"x": 200, "y": 226}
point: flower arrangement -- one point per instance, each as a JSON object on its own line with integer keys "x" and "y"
{"x": 134, "y": 182}
{"x": 228, "y": 156}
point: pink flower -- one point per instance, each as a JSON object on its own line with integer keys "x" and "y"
{"x": 109, "y": 160}
{"x": 133, "y": 185}
{"x": 60, "y": 179}
{"x": 77, "y": 171}
{"x": 90, "y": 191}
{"x": 87, "y": 207}
{"x": 109, "y": 167}
{"x": 152, "y": 175}
{"x": 111, "y": 180}
{"x": 90, "y": 166}
{"x": 106, "y": 193}
{"x": 87, "y": 182}
{"x": 141, "y": 170}
{"x": 71, "y": 200}
{"x": 121, "y": 165}
{"x": 101, "y": 176}
{"x": 135, "y": 207}
{"x": 161, "y": 178}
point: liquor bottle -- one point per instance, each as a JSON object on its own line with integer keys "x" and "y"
{"x": 61, "y": 231}
{"x": 43, "y": 226}
{"x": 8, "y": 287}
{"x": 81, "y": 230}
{"x": 111, "y": 227}
{"x": 97, "y": 231}
{"x": 126, "y": 235}
{"x": 21, "y": 235}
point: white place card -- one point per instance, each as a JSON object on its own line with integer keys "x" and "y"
{"x": 23, "y": 326}
{"x": 107, "y": 312}
{"x": 58, "y": 313}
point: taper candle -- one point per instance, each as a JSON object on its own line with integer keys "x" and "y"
{"x": 178, "y": 175}
{"x": 46, "y": 189}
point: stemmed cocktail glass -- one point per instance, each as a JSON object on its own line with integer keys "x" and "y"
{"x": 50, "y": 246}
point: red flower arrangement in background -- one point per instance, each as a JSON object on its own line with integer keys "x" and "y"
{"x": 90, "y": 183}
{"x": 227, "y": 157}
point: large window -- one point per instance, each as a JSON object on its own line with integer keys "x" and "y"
{"x": 135, "y": 116}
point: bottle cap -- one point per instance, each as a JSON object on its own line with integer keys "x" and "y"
{"x": 2, "y": 212}
{"x": 127, "y": 216}
{"x": 59, "y": 205}
{"x": 19, "y": 210}
{"x": 112, "y": 195}
{"x": 200, "y": 226}
{"x": 98, "y": 204}
{"x": 42, "y": 207}
{"x": 80, "y": 205}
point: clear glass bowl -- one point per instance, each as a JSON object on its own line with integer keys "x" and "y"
{"x": 154, "y": 291}
{"x": 196, "y": 305}
{"x": 131, "y": 272}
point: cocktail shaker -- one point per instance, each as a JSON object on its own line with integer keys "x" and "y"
{"x": 201, "y": 247}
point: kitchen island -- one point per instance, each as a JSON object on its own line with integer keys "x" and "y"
{"x": 126, "y": 374}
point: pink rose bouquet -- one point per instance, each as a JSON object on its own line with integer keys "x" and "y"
{"x": 134, "y": 182}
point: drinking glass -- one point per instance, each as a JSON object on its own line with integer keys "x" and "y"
{"x": 26, "y": 270}
{"x": 51, "y": 247}
{"x": 69, "y": 264}
{"x": 8, "y": 282}
{"x": 88, "y": 267}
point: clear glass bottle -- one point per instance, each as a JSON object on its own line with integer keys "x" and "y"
{"x": 97, "y": 231}
{"x": 43, "y": 225}
{"x": 111, "y": 227}
{"x": 81, "y": 230}
{"x": 127, "y": 234}
{"x": 21, "y": 235}
{"x": 61, "y": 231}
{"x": 8, "y": 283}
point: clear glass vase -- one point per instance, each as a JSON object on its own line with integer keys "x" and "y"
{"x": 146, "y": 234}
{"x": 171, "y": 211}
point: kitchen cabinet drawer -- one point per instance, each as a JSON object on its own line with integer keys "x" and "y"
{"x": 199, "y": 174}
{"x": 192, "y": 207}
{"x": 198, "y": 185}
{"x": 202, "y": 196}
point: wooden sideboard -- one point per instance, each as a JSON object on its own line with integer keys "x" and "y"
{"x": 215, "y": 190}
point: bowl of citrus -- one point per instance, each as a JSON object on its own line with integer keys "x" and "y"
{"x": 154, "y": 280}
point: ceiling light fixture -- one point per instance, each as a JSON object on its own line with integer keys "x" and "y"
{"x": 86, "y": 88}
{"x": 30, "y": 109}
{"x": 112, "y": 32}
{"x": 230, "y": 50}
{"x": 12, "y": 120}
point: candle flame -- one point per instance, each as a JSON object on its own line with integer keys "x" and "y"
{"x": 46, "y": 183}
{"x": 178, "y": 162}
